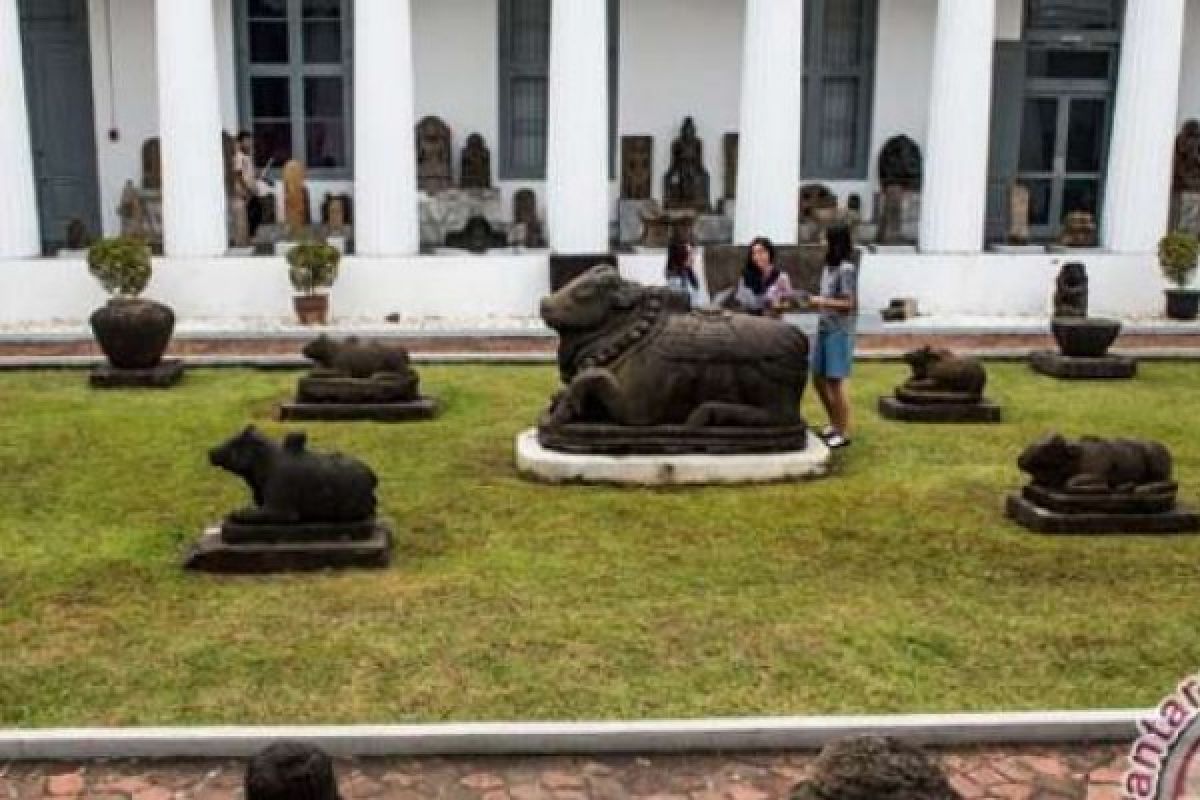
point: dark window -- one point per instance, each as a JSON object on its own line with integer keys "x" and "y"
{"x": 294, "y": 78}
{"x": 524, "y": 86}
{"x": 1075, "y": 15}
{"x": 839, "y": 75}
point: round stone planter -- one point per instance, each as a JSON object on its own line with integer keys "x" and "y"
{"x": 132, "y": 332}
{"x": 1085, "y": 337}
{"x": 1183, "y": 304}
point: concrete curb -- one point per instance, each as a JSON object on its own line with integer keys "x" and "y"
{"x": 561, "y": 738}
{"x": 283, "y": 362}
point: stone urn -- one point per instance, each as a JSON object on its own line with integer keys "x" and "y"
{"x": 133, "y": 332}
{"x": 1084, "y": 337}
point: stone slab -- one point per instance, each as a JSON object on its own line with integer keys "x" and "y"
{"x": 893, "y": 249}
{"x": 424, "y": 408}
{"x": 1035, "y": 518}
{"x": 895, "y": 409}
{"x": 164, "y": 376}
{"x": 552, "y": 466}
{"x": 240, "y": 533}
{"x": 211, "y": 553}
{"x": 1056, "y": 365}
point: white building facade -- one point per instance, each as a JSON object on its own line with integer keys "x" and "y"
{"x": 1079, "y": 100}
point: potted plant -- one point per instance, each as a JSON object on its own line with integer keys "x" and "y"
{"x": 133, "y": 332}
{"x": 1177, "y": 254}
{"x": 312, "y": 266}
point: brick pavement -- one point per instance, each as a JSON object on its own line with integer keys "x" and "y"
{"x": 1039, "y": 773}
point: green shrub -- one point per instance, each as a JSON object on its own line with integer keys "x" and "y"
{"x": 121, "y": 264}
{"x": 1177, "y": 254}
{"x": 313, "y": 266}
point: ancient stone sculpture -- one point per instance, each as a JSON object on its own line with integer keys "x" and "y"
{"x": 1078, "y": 229}
{"x": 295, "y": 198}
{"x": 1083, "y": 341}
{"x": 476, "y": 172}
{"x": 1094, "y": 485}
{"x": 900, "y": 164}
{"x": 1092, "y": 466}
{"x": 730, "y": 150}
{"x": 874, "y": 768}
{"x": 685, "y": 185}
{"x": 943, "y": 388}
{"x": 152, "y": 164}
{"x": 818, "y": 207}
{"x": 637, "y": 167}
{"x": 1186, "y": 172}
{"x": 641, "y": 375}
{"x": 356, "y": 379}
{"x": 1071, "y": 291}
{"x": 477, "y": 237}
{"x": 310, "y": 510}
{"x": 525, "y": 215}
{"x": 433, "y": 155}
{"x": 291, "y": 485}
{"x": 1018, "y": 214}
{"x": 337, "y": 212}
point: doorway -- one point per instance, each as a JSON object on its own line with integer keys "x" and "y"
{"x": 1065, "y": 124}
{"x": 58, "y": 89}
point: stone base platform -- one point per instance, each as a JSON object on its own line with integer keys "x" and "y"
{"x": 1056, "y": 365}
{"x": 213, "y": 553}
{"x": 1027, "y": 514}
{"x": 167, "y": 374}
{"x": 551, "y": 466}
{"x": 421, "y": 409}
{"x": 894, "y": 408}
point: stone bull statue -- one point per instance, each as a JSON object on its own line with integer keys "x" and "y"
{"x": 630, "y": 357}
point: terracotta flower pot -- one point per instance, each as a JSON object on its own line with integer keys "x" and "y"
{"x": 312, "y": 309}
{"x": 133, "y": 332}
{"x": 1183, "y": 304}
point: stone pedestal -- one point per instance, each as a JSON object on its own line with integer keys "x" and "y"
{"x": 1029, "y": 509}
{"x": 631, "y": 230}
{"x": 164, "y": 376}
{"x": 1057, "y": 365}
{"x": 711, "y": 229}
{"x": 448, "y": 212}
{"x": 404, "y": 411}
{"x": 297, "y": 548}
{"x": 948, "y": 408}
{"x": 1083, "y": 344}
{"x": 553, "y": 466}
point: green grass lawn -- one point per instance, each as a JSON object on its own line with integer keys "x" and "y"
{"x": 895, "y": 585}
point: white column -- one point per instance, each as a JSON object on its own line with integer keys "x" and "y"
{"x": 1138, "y": 187}
{"x": 189, "y": 123}
{"x": 19, "y": 235}
{"x": 385, "y": 166}
{"x": 954, "y": 196}
{"x": 768, "y": 187}
{"x": 577, "y": 205}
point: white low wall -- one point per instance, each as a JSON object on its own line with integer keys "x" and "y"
{"x": 994, "y": 284}
{"x": 40, "y": 292}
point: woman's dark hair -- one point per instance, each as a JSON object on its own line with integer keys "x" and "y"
{"x": 291, "y": 771}
{"x": 753, "y": 278}
{"x": 839, "y": 245}
{"x": 678, "y": 252}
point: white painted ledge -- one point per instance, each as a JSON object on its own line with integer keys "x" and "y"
{"x": 555, "y": 738}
